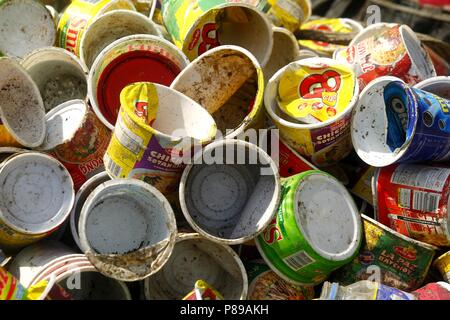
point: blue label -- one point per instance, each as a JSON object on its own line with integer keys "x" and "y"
{"x": 388, "y": 293}
{"x": 408, "y": 109}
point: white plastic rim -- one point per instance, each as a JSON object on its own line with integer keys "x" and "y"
{"x": 259, "y": 44}
{"x": 255, "y": 223}
{"x": 189, "y": 81}
{"x": 20, "y": 93}
{"x": 369, "y": 124}
{"x": 37, "y": 193}
{"x": 80, "y": 199}
{"x": 104, "y": 229}
{"x": 109, "y": 50}
{"x": 331, "y": 224}
{"x": 52, "y": 63}
{"x": 271, "y": 104}
{"x": 439, "y": 86}
{"x": 191, "y": 261}
{"x": 26, "y": 25}
{"x": 63, "y": 122}
{"x": 110, "y": 27}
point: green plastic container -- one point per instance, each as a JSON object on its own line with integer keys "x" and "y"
{"x": 317, "y": 229}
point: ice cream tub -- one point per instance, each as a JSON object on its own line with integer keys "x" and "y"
{"x": 80, "y": 198}
{"x": 110, "y": 27}
{"x": 59, "y": 75}
{"x": 389, "y": 258}
{"x": 156, "y": 127}
{"x": 135, "y": 58}
{"x": 393, "y": 123}
{"x": 72, "y": 271}
{"x": 195, "y": 257}
{"x": 230, "y": 192}
{"x": 199, "y": 25}
{"x": 264, "y": 284}
{"x": 387, "y": 50}
{"x": 77, "y": 138}
{"x": 313, "y": 89}
{"x": 36, "y": 198}
{"x": 26, "y": 25}
{"x": 317, "y": 229}
{"x": 413, "y": 200}
{"x": 228, "y": 82}
{"x": 127, "y": 229}
{"x": 18, "y": 93}
{"x": 77, "y": 17}
{"x": 340, "y": 25}
{"x": 443, "y": 265}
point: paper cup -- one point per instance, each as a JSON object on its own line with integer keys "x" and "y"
{"x": 323, "y": 143}
{"x": 37, "y": 196}
{"x": 59, "y": 75}
{"x": 26, "y": 25}
{"x": 290, "y": 14}
{"x": 127, "y": 229}
{"x": 202, "y": 25}
{"x": 230, "y": 202}
{"x": 439, "y": 86}
{"x": 395, "y": 123}
{"x": 194, "y": 258}
{"x": 110, "y": 27}
{"x": 134, "y": 58}
{"x": 77, "y": 17}
{"x": 21, "y": 107}
{"x": 228, "y": 82}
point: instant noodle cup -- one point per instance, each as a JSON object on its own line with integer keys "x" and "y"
{"x": 154, "y": 134}
{"x": 399, "y": 261}
{"x": 77, "y": 17}
{"x": 21, "y": 107}
{"x": 413, "y": 200}
{"x": 340, "y": 25}
{"x": 59, "y": 75}
{"x": 203, "y": 291}
{"x": 396, "y": 123}
{"x": 11, "y": 289}
{"x": 77, "y": 138}
{"x": 230, "y": 192}
{"x": 443, "y": 265}
{"x": 72, "y": 271}
{"x": 199, "y": 25}
{"x": 36, "y": 198}
{"x": 439, "y": 86}
{"x": 110, "y": 27}
{"x": 127, "y": 229}
{"x": 317, "y": 229}
{"x": 387, "y": 50}
{"x": 329, "y": 91}
{"x": 285, "y": 50}
{"x": 228, "y": 82}
{"x": 135, "y": 58}
{"x": 26, "y": 25}
{"x": 195, "y": 257}
{"x": 290, "y": 14}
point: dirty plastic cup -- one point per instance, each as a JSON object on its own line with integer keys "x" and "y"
{"x": 26, "y": 25}
{"x": 73, "y": 272}
{"x": 127, "y": 229}
{"x": 59, "y": 75}
{"x": 396, "y": 123}
{"x": 322, "y": 143}
{"x": 285, "y": 50}
{"x": 317, "y": 230}
{"x": 110, "y": 27}
{"x": 439, "y": 86}
{"x": 206, "y": 24}
{"x": 193, "y": 258}
{"x": 230, "y": 192}
{"x": 21, "y": 107}
{"x": 131, "y": 59}
{"x": 36, "y": 198}
{"x": 77, "y": 17}
{"x": 80, "y": 198}
{"x": 77, "y": 138}
{"x": 228, "y": 82}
